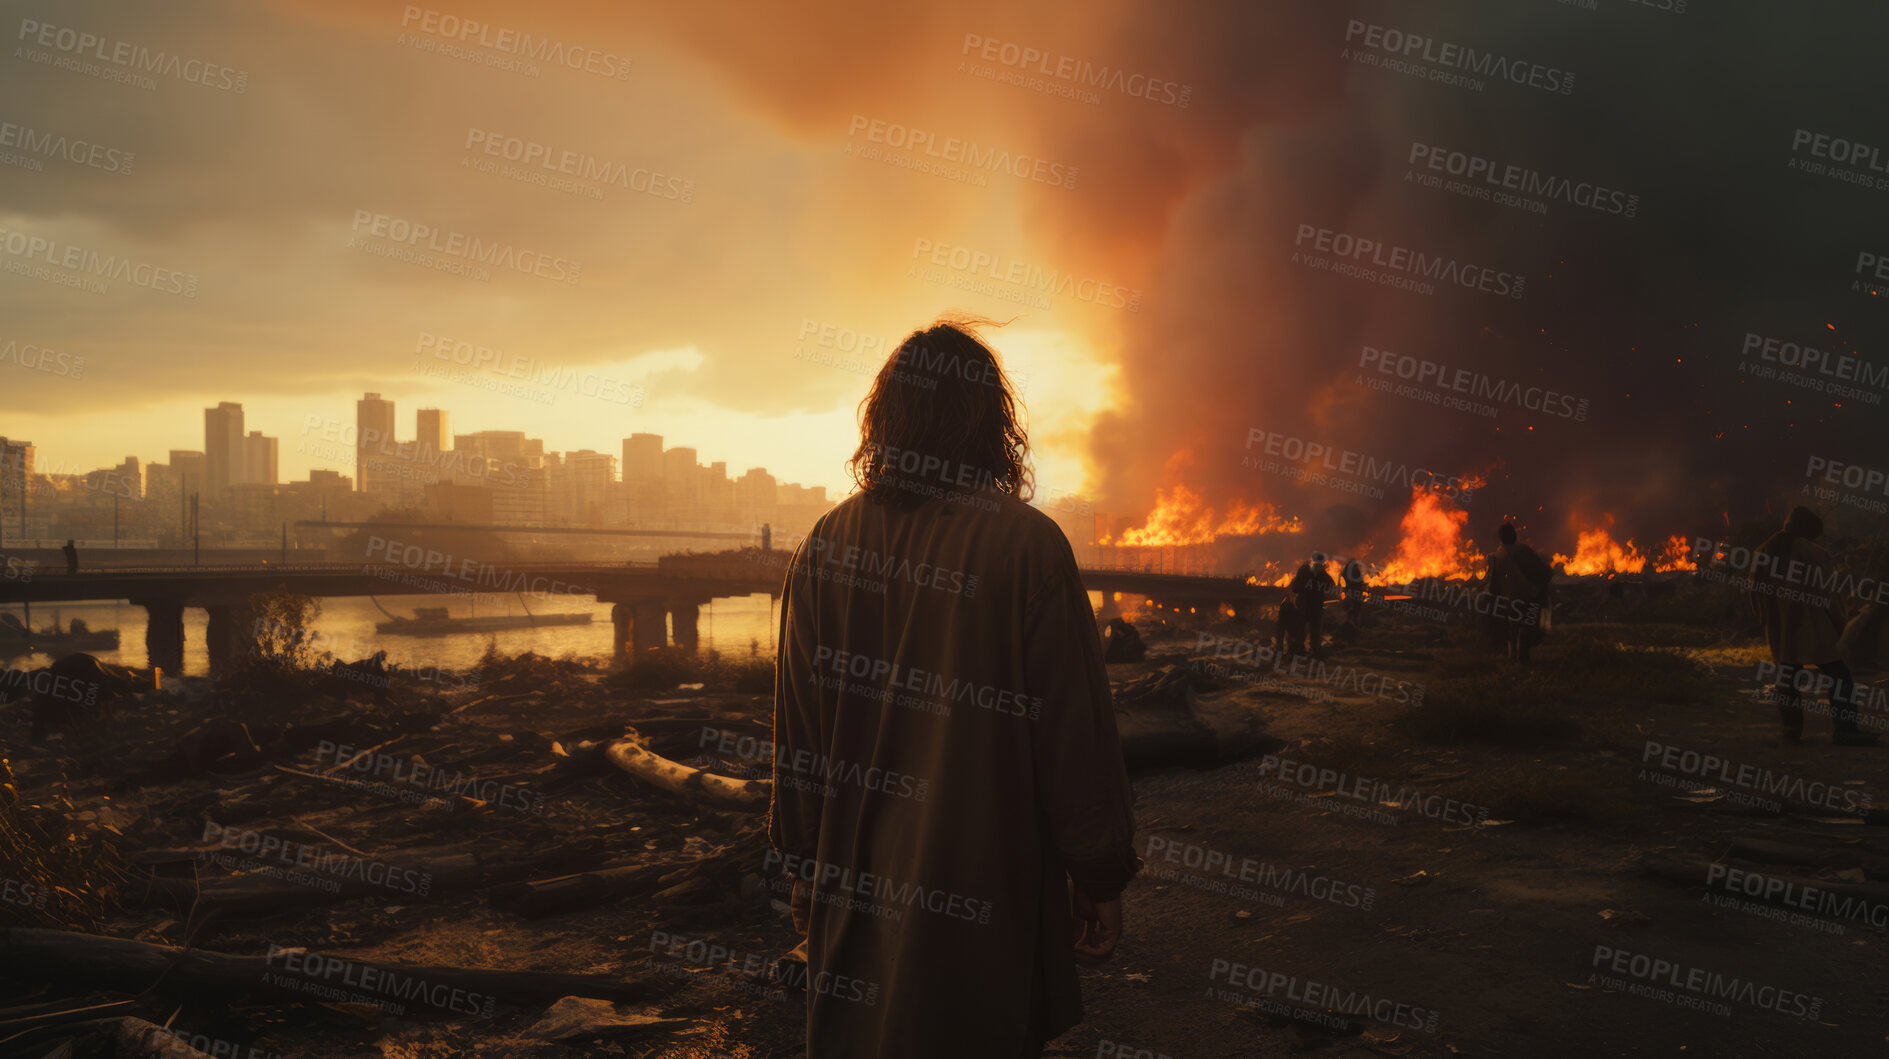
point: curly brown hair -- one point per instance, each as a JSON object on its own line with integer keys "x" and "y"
{"x": 942, "y": 417}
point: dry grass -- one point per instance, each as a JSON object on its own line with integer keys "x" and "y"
{"x": 55, "y": 870}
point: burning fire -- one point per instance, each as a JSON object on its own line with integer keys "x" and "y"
{"x": 1677, "y": 555}
{"x": 1432, "y": 545}
{"x": 1596, "y": 552}
{"x": 1179, "y": 517}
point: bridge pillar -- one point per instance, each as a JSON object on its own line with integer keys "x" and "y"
{"x": 684, "y": 617}
{"x": 620, "y": 621}
{"x": 164, "y": 635}
{"x": 230, "y": 636}
{"x": 649, "y": 626}
{"x": 1111, "y": 607}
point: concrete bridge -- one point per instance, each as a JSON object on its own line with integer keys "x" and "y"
{"x": 647, "y": 599}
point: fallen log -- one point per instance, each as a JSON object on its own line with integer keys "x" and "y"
{"x": 706, "y": 788}
{"x": 292, "y": 975}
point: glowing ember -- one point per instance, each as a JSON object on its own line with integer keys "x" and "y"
{"x": 1432, "y": 544}
{"x": 1179, "y": 517}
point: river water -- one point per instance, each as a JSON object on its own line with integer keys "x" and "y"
{"x": 345, "y": 626}
{"x": 732, "y": 626}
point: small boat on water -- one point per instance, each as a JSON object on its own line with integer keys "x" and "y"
{"x": 17, "y": 638}
{"x": 434, "y": 621}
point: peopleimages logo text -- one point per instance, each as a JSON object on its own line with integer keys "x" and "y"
{"x": 465, "y": 247}
{"x": 1415, "y": 46}
{"x": 126, "y": 55}
{"x": 1077, "y": 72}
{"x": 962, "y": 152}
{"x": 468, "y": 31}
{"x": 1402, "y": 259}
{"x": 1523, "y": 180}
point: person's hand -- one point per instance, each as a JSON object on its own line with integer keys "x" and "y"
{"x": 1096, "y": 927}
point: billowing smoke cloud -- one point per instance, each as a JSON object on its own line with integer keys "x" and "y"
{"x": 1674, "y": 226}
{"x": 1636, "y": 324}
{"x": 1212, "y": 139}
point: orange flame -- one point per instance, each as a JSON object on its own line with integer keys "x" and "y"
{"x": 1677, "y": 555}
{"x": 1179, "y": 517}
{"x": 1432, "y": 544}
{"x": 1596, "y": 552}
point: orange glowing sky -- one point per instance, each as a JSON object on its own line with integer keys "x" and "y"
{"x": 699, "y": 306}
{"x": 1242, "y": 126}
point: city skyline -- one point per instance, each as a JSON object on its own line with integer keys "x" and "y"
{"x": 229, "y": 493}
{"x": 320, "y": 456}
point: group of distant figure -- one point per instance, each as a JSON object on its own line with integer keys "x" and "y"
{"x": 1515, "y": 574}
{"x": 1801, "y": 629}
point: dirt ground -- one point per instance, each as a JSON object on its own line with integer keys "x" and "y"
{"x": 1496, "y": 929}
{"x": 1500, "y": 907}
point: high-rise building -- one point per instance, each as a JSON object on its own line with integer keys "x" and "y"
{"x": 223, "y": 462}
{"x": 187, "y": 465}
{"x": 642, "y": 458}
{"x": 126, "y": 481}
{"x": 375, "y": 452}
{"x": 717, "y": 492}
{"x": 430, "y": 432}
{"x": 755, "y": 496}
{"x": 642, "y": 489}
{"x": 16, "y": 458}
{"x": 259, "y": 460}
{"x": 682, "y": 481}
{"x": 590, "y": 476}
{"x": 16, "y": 474}
{"x": 511, "y": 465}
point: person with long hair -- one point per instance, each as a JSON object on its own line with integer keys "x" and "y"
{"x": 949, "y": 793}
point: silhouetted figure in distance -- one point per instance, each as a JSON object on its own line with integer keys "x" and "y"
{"x": 1290, "y": 630}
{"x": 1310, "y": 588}
{"x": 72, "y": 557}
{"x": 1518, "y": 579}
{"x": 1353, "y": 575}
{"x": 989, "y": 690}
{"x": 1121, "y": 642}
{"x": 1801, "y": 624}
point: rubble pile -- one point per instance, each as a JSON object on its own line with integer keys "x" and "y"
{"x": 287, "y": 870}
